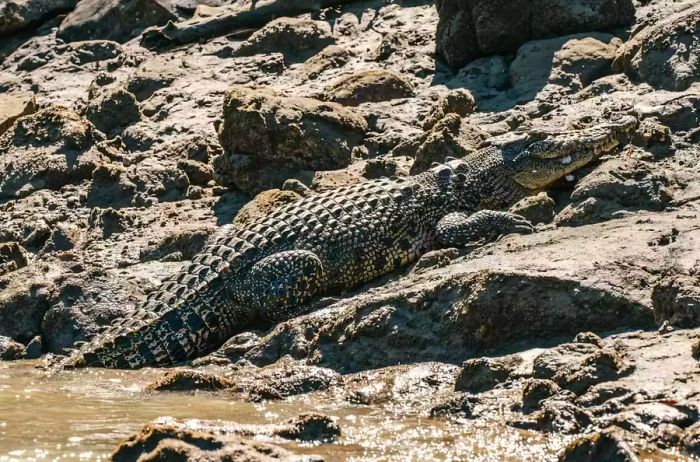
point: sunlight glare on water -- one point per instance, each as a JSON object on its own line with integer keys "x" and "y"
{"x": 83, "y": 415}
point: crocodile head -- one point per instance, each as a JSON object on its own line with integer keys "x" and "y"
{"x": 544, "y": 158}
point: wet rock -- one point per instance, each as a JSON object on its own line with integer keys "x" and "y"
{"x": 12, "y": 257}
{"x": 460, "y": 406}
{"x": 263, "y": 204}
{"x": 472, "y": 29}
{"x": 665, "y": 54}
{"x": 536, "y": 209}
{"x": 645, "y": 419}
{"x": 676, "y": 299}
{"x": 537, "y": 390}
{"x": 113, "y": 111}
{"x": 331, "y": 57}
{"x": 14, "y": 107}
{"x": 25, "y": 297}
{"x": 10, "y": 350}
{"x": 605, "y": 446}
{"x": 458, "y": 101}
{"x": 483, "y": 374}
{"x": 618, "y": 185}
{"x": 562, "y": 417}
{"x": 189, "y": 380}
{"x": 373, "y": 85}
{"x": 19, "y": 14}
{"x": 295, "y": 38}
{"x": 691, "y": 439}
{"x": 34, "y": 348}
{"x": 578, "y": 366}
{"x": 113, "y": 19}
{"x": 282, "y": 380}
{"x": 171, "y": 442}
{"x": 47, "y": 150}
{"x": 310, "y": 427}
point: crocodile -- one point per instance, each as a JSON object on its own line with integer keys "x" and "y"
{"x": 334, "y": 241}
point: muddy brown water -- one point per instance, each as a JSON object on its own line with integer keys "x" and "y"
{"x": 82, "y": 416}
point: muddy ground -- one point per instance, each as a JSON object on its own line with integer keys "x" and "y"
{"x": 131, "y": 134}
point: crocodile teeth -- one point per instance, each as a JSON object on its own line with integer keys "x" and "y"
{"x": 570, "y": 178}
{"x": 566, "y": 160}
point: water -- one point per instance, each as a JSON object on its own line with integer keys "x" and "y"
{"x": 82, "y": 416}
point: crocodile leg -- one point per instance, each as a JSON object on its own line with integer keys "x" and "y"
{"x": 285, "y": 280}
{"x": 459, "y": 229}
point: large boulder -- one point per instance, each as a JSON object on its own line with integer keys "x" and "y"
{"x": 18, "y": 14}
{"x": 118, "y": 20}
{"x": 264, "y": 134}
{"x": 470, "y": 29}
{"x": 666, "y": 54}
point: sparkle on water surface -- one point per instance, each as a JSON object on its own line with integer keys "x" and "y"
{"x": 82, "y": 416}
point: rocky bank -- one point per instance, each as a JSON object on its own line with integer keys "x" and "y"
{"x": 132, "y": 131}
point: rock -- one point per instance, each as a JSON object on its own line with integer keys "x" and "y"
{"x": 113, "y": 111}
{"x": 536, "y": 209}
{"x": 578, "y": 366}
{"x": 618, "y": 185}
{"x": 471, "y": 29}
{"x": 263, "y": 204}
{"x": 557, "y": 416}
{"x": 450, "y": 137}
{"x": 665, "y": 54}
{"x": 562, "y": 65}
{"x": 189, "y": 380}
{"x": 186, "y": 243}
{"x": 331, "y": 57}
{"x": 537, "y": 390}
{"x": 34, "y": 348}
{"x": 197, "y": 172}
{"x": 460, "y": 406}
{"x": 116, "y": 20}
{"x": 691, "y": 440}
{"x": 436, "y": 259}
{"x": 268, "y": 138}
{"x": 26, "y": 296}
{"x": 605, "y": 446}
{"x": 92, "y": 51}
{"x": 19, "y": 14}
{"x": 12, "y": 257}
{"x": 483, "y": 374}
{"x": 677, "y": 299}
{"x": 588, "y": 337}
{"x": 47, "y": 150}
{"x": 310, "y": 427}
{"x": 175, "y": 442}
{"x": 10, "y": 350}
{"x": 295, "y": 38}
{"x": 373, "y": 85}
{"x": 458, "y": 101}
{"x": 14, "y": 107}
{"x": 284, "y": 379}
{"x": 695, "y": 350}
{"x": 644, "y": 419}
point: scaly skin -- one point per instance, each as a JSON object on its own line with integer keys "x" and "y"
{"x": 335, "y": 241}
